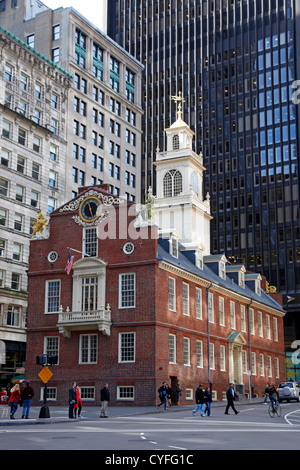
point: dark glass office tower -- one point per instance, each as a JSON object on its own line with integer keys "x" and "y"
{"x": 235, "y": 62}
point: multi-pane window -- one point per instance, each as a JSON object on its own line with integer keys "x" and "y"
{"x": 275, "y": 329}
{"x": 8, "y": 72}
{"x": 125, "y": 392}
{"x": 172, "y": 183}
{"x": 199, "y": 353}
{"x": 88, "y": 349}
{"x": 212, "y": 355}
{"x": 222, "y": 358}
{"x": 232, "y": 315}
{"x": 127, "y": 290}
{"x": 114, "y": 74}
{"x": 6, "y": 129}
{"x": 2, "y": 248}
{"x": 13, "y": 316}
{"x": 21, "y": 165}
{"x": 172, "y": 294}
{"x": 251, "y": 321}
{"x": 262, "y": 365}
{"x": 5, "y": 157}
{"x": 130, "y": 85}
{"x": 52, "y": 296}
{"x": 20, "y": 193}
{"x": 185, "y": 299}
{"x": 90, "y": 242}
{"x": 186, "y": 351}
{"x": 269, "y": 359}
{"x": 89, "y": 297}
{"x": 211, "y": 307}
{"x": 17, "y": 252}
{"x": 22, "y": 136}
{"x": 80, "y": 48}
{"x": 198, "y": 294}
{"x": 18, "y": 223}
{"x": 221, "y": 311}
{"x": 268, "y": 327}
{"x": 260, "y": 325}
{"x": 3, "y": 187}
{"x": 98, "y": 61}
{"x": 15, "y": 281}
{"x": 172, "y": 349}
{"x": 3, "y": 217}
{"x": 51, "y": 204}
{"x": 55, "y": 32}
{"x": 243, "y": 318}
{"x": 51, "y": 345}
{"x": 127, "y": 347}
{"x": 253, "y": 363}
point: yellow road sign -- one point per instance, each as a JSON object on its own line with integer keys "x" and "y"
{"x": 45, "y": 374}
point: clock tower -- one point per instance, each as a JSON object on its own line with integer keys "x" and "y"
{"x": 179, "y": 203}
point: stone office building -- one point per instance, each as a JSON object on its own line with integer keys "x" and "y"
{"x": 33, "y": 150}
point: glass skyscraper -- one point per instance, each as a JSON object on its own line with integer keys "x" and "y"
{"x": 235, "y": 62}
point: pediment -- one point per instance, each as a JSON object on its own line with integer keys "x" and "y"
{"x": 237, "y": 338}
{"x": 89, "y": 264}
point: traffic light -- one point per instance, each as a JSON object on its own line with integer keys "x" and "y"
{"x": 41, "y": 360}
{"x": 46, "y": 359}
{"x": 52, "y": 360}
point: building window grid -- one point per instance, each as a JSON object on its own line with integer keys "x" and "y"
{"x": 88, "y": 349}
{"x": 52, "y": 296}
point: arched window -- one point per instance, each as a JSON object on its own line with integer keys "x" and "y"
{"x": 195, "y": 182}
{"x": 172, "y": 183}
{"x": 176, "y": 142}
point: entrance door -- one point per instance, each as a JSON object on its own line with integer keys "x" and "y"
{"x": 173, "y": 387}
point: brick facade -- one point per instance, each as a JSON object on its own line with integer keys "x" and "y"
{"x": 149, "y": 322}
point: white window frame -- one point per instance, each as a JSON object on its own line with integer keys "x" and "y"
{"x": 210, "y": 307}
{"x": 122, "y": 336}
{"x": 186, "y": 299}
{"x": 212, "y": 356}
{"x": 172, "y": 349}
{"x": 243, "y": 318}
{"x": 121, "y": 291}
{"x": 186, "y": 351}
{"x": 275, "y": 329}
{"x": 222, "y": 358}
{"x": 48, "y": 281}
{"x": 262, "y": 365}
{"x": 232, "y": 315}
{"x": 199, "y": 353}
{"x": 260, "y": 325}
{"x": 221, "y": 311}
{"x": 198, "y": 302}
{"x": 127, "y": 389}
{"x": 172, "y": 295}
{"x": 268, "y": 326}
{"x": 89, "y": 349}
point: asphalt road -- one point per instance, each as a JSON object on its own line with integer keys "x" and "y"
{"x": 173, "y": 432}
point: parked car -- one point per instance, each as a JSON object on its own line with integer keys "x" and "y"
{"x": 289, "y": 391}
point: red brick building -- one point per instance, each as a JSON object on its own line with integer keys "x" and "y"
{"x": 143, "y": 304}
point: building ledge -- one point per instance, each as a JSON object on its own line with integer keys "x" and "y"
{"x": 84, "y": 321}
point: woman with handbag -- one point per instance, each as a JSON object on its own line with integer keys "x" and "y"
{"x": 14, "y": 400}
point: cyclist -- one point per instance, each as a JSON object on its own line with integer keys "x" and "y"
{"x": 271, "y": 391}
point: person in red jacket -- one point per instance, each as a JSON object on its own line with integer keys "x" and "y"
{"x": 78, "y": 404}
{"x": 14, "y": 400}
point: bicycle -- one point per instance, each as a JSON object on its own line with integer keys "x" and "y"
{"x": 274, "y": 410}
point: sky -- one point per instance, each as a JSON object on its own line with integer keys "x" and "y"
{"x": 90, "y": 9}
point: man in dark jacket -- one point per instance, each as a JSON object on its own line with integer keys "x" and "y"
{"x": 26, "y": 397}
{"x": 231, "y": 396}
{"x": 104, "y": 396}
{"x": 72, "y": 400}
{"x": 200, "y": 402}
{"x": 163, "y": 396}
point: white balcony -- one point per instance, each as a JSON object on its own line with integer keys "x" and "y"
{"x": 90, "y": 320}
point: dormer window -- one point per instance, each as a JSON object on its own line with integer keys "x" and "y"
{"x": 242, "y": 279}
{"x": 199, "y": 259}
{"x": 172, "y": 183}
{"x": 174, "y": 247}
{"x": 176, "y": 142}
{"x": 222, "y": 270}
{"x": 257, "y": 287}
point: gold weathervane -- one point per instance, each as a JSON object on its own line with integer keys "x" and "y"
{"x": 178, "y": 99}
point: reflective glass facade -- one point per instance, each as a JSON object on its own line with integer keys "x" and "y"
{"x": 235, "y": 63}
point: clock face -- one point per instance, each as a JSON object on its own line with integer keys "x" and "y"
{"x": 90, "y": 209}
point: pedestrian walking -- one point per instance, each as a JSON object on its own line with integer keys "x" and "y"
{"x": 231, "y": 396}
{"x": 14, "y": 400}
{"x": 199, "y": 398}
{"x": 27, "y": 395}
{"x": 207, "y": 400}
{"x": 178, "y": 391}
{"x": 104, "y": 397}
{"x": 72, "y": 400}
{"x": 162, "y": 392}
{"x": 169, "y": 396}
{"x": 78, "y": 404}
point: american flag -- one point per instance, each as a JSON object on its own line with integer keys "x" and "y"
{"x": 70, "y": 263}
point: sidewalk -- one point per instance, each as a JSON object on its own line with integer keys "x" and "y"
{"x": 59, "y": 414}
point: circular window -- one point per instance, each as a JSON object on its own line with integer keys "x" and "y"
{"x": 128, "y": 248}
{"x": 52, "y": 256}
